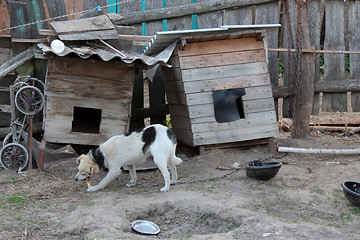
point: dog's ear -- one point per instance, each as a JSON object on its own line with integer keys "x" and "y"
{"x": 78, "y": 161}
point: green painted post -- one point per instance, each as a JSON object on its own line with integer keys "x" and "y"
{"x": 113, "y": 8}
{"x": 165, "y": 20}
{"x": 194, "y": 18}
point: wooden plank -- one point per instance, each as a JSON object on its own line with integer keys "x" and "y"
{"x": 83, "y": 25}
{"x": 220, "y": 59}
{"x": 206, "y": 97}
{"x": 334, "y": 64}
{"x": 59, "y": 131}
{"x": 259, "y": 105}
{"x": 90, "y": 35}
{"x": 206, "y": 110}
{"x": 74, "y": 7}
{"x": 240, "y": 16}
{"x": 207, "y": 85}
{"x": 249, "y": 116}
{"x": 98, "y": 79}
{"x": 235, "y": 135}
{"x": 184, "y": 10}
{"x": 47, "y": 32}
{"x": 221, "y": 46}
{"x": 334, "y": 86}
{"x": 60, "y": 106}
{"x": 56, "y": 8}
{"x": 211, "y": 19}
{"x": 235, "y": 70}
{"x": 134, "y": 37}
{"x": 82, "y": 87}
{"x": 268, "y": 13}
{"x": 353, "y": 39}
{"x": 238, "y": 124}
{"x": 27, "y": 40}
{"x": 17, "y": 61}
{"x": 176, "y": 22}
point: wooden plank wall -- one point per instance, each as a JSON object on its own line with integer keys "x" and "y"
{"x": 205, "y": 65}
{"x": 89, "y": 84}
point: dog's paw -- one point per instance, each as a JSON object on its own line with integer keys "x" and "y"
{"x": 164, "y": 189}
{"x": 130, "y": 184}
{"x": 92, "y": 189}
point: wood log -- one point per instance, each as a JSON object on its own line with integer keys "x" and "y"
{"x": 320, "y": 151}
{"x": 185, "y": 10}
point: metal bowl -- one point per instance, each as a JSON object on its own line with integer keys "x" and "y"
{"x": 262, "y": 170}
{"x": 352, "y": 191}
{"x": 145, "y": 227}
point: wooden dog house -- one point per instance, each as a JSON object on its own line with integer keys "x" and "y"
{"x": 88, "y": 94}
{"x": 218, "y": 88}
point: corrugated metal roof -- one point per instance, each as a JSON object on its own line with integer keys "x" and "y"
{"x": 163, "y": 39}
{"x": 106, "y": 55}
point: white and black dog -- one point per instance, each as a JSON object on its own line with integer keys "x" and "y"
{"x": 128, "y": 150}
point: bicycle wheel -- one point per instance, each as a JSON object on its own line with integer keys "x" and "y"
{"x": 29, "y": 100}
{"x": 14, "y": 156}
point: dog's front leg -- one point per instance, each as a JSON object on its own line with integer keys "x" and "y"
{"x": 133, "y": 177}
{"x": 105, "y": 181}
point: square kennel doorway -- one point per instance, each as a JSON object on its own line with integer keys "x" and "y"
{"x": 86, "y": 120}
{"x": 228, "y": 104}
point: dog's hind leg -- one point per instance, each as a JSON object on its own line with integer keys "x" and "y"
{"x": 161, "y": 163}
{"x": 173, "y": 172}
{"x": 133, "y": 177}
{"x": 105, "y": 181}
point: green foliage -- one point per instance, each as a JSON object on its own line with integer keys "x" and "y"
{"x": 168, "y": 122}
{"x": 280, "y": 66}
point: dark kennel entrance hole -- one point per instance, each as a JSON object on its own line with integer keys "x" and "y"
{"x": 228, "y": 104}
{"x": 176, "y": 219}
{"x": 86, "y": 120}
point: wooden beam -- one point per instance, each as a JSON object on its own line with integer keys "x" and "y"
{"x": 17, "y": 61}
{"x": 47, "y": 32}
{"x": 311, "y": 51}
{"x": 135, "y": 37}
{"x": 139, "y": 43}
{"x": 28, "y": 40}
{"x": 334, "y": 86}
{"x": 185, "y": 10}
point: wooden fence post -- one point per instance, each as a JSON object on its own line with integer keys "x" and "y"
{"x": 137, "y": 101}
{"x": 304, "y": 89}
{"x": 157, "y": 95}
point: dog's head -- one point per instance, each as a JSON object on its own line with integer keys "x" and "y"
{"x": 87, "y": 167}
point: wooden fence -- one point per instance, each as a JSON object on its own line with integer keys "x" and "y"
{"x": 334, "y": 26}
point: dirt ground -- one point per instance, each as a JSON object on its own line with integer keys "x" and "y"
{"x": 303, "y": 201}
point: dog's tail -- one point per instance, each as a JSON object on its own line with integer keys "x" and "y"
{"x": 176, "y": 161}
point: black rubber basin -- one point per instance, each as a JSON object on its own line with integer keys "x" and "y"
{"x": 352, "y": 191}
{"x": 262, "y": 170}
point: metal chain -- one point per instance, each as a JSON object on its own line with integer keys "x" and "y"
{"x": 206, "y": 179}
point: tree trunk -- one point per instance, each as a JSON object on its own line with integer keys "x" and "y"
{"x": 305, "y": 86}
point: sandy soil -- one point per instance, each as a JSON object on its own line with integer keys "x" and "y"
{"x": 303, "y": 201}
